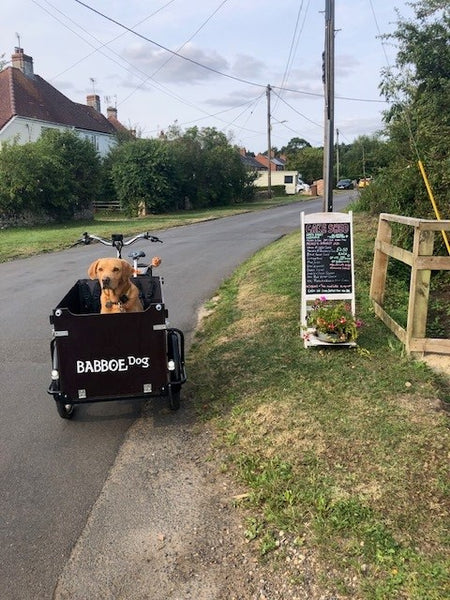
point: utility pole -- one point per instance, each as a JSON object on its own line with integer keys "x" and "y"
{"x": 269, "y": 144}
{"x": 337, "y": 155}
{"x": 328, "y": 78}
{"x": 364, "y": 163}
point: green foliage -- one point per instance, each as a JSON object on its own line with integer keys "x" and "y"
{"x": 142, "y": 172}
{"x": 294, "y": 145}
{"x": 211, "y": 172}
{"x": 197, "y": 168}
{"x": 365, "y": 157}
{"x": 333, "y": 318}
{"x": 418, "y": 122}
{"x": 57, "y": 176}
{"x": 308, "y": 162}
{"x": 81, "y": 164}
{"x": 29, "y": 181}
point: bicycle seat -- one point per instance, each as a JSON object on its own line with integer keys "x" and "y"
{"x": 137, "y": 254}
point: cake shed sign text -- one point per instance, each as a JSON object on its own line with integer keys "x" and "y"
{"x": 327, "y": 248}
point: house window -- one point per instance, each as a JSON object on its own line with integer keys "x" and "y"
{"x": 288, "y": 179}
{"x": 93, "y": 139}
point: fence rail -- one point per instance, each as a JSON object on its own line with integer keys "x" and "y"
{"x": 113, "y": 205}
{"x": 422, "y": 262}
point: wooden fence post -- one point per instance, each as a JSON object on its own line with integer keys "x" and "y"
{"x": 380, "y": 262}
{"x": 419, "y": 291}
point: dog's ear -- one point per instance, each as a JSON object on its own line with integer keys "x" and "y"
{"x": 92, "y": 271}
{"x": 127, "y": 270}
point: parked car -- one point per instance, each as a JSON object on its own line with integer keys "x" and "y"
{"x": 364, "y": 182}
{"x": 344, "y": 184}
{"x": 302, "y": 186}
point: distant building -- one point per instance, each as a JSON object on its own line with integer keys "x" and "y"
{"x": 276, "y": 164}
{"x": 287, "y": 178}
{"x": 29, "y": 105}
{"x": 250, "y": 162}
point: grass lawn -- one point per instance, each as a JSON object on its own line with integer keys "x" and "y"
{"x": 24, "y": 241}
{"x": 341, "y": 454}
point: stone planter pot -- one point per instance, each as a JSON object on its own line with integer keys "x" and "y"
{"x": 330, "y": 338}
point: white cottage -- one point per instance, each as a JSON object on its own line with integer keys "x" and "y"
{"x": 29, "y": 105}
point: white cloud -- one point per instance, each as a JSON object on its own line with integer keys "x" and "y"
{"x": 168, "y": 67}
{"x": 253, "y": 41}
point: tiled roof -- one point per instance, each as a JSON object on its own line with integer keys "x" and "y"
{"x": 34, "y": 98}
{"x": 251, "y": 163}
{"x": 117, "y": 124}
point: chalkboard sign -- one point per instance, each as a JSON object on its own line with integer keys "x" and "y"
{"x": 327, "y": 252}
{"x": 327, "y": 264}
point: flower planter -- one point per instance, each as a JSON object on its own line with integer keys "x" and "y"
{"x": 330, "y": 338}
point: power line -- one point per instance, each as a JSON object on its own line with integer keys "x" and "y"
{"x": 211, "y": 69}
{"x": 180, "y": 48}
{"x": 379, "y": 32}
{"x": 173, "y": 52}
{"x": 298, "y": 112}
{"x": 145, "y": 76}
{"x": 294, "y": 45}
{"x": 105, "y": 44}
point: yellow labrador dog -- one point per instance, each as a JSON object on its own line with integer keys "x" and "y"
{"x": 119, "y": 294}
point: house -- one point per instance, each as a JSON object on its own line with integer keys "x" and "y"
{"x": 287, "y": 178}
{"x": 29, "y": 105}
{"x": 276, "y": 164}
{"x": 250, "y": 162}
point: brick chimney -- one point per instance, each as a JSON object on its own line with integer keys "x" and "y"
{"x": 111, "y": 112}
{"x": 23, "y": 62}
{"x": 94, "y": 101}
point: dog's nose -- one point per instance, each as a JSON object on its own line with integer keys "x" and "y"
{"x": 106, "y": 281}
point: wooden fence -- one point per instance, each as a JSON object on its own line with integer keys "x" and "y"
{"x": 111, "y": 205}
{"x": 422, "y": 262}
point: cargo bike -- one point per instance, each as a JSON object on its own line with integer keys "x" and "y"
{"x": 122, "y": 356}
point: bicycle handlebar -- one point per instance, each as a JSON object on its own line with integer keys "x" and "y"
{"x": 117, "y": 240}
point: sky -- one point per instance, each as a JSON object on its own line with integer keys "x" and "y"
{"x": 207, "y": 63}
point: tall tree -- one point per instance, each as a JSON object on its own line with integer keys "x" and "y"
{"x": 308, "y": 162}
{"x": 418, "y": 122}
{"x": 142, "y": 172}
{"x": 294, "y": 145}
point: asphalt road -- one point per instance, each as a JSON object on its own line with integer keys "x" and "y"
{"x": 52, "y": 470}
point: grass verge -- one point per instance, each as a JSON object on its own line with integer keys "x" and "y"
{"x": 342, "y": 454}
{"x": 21, "y": 242}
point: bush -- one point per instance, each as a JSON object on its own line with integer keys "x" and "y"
{"x": 57, "y": 176}
{"x": 143, "y": 173}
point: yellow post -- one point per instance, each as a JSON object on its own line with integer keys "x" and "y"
{"x": 433, "y": 202}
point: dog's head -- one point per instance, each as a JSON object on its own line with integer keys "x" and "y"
{"x": 112, "y": 273}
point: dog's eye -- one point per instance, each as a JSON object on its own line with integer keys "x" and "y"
{"x": 116, "y": 269}
{"x": 100, "y": 269}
